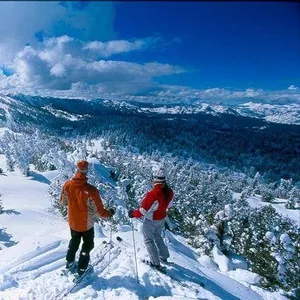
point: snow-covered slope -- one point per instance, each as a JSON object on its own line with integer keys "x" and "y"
{"x": 278, "y": 204}
{"x": 285, "y": 114}
{"x": 34, "y": 243}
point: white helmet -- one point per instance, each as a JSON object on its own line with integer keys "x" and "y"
{"x": 158, "y": 174}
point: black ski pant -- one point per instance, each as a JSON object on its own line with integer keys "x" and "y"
{"x": 87, "y": 246}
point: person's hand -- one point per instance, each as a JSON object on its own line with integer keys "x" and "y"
{"x": 112, "y": 211}
{"x": 130, "y": 213}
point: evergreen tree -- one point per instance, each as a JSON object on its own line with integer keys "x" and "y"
{"x": 65, "y": 169}
{"x": 293, "y": 200}
{"x": 267, "y": 195}
{"x": 284, "y": 188}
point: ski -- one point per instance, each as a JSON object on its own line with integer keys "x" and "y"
{"x": 78, "y": 279}
{"x": 69, "y": 271}
{"x": 161, "y": 269}
{"x": 124, "y": 243}
{"x": 168, "y": 263}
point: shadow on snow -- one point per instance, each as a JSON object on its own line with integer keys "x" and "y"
{"x": 6, "y": 239}
{"x": 38, "y": 177}
{"x": 10, "y": 212}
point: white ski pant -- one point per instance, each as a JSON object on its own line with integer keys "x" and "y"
{"x": 154, "y": 242}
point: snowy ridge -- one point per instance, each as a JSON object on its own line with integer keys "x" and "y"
{"x": 62, "y": 114}
{"x": 283, "y": 113}
{"x": 278, "y": 204}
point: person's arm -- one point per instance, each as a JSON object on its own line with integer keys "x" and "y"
{"x": 148, "y": 206}
{"x": 102, "y": 212}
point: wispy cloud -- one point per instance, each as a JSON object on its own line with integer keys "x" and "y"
{"x": 106, "y": 49}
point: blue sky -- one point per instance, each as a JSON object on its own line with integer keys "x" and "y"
{"x": 231, "y": 44}
{"x": 152, "y": 49}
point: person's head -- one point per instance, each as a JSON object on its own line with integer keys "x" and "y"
{"x": 158, "y": 175}
{"x": 82, "y": 166}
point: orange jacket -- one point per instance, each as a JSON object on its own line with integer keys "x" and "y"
{"x": 83, "y": 202}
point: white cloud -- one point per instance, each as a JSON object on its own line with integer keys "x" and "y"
{"x": 106, "y": 49}
{"x": 292, "y": 87}
{"x": 63, "y": 66}
{"x": 179, "y": 94}
{"x": 20, "y": 21}
{"x": 60, "y": 62}
{"x": 113, "y": 47}
{"x": 58, "y": 70}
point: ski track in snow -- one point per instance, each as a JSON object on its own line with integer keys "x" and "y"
{"x": 30, "y": 269}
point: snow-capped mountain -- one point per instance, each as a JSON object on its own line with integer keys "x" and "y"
{"x": 77, "y": 109}
{"x": 285, "y": 114}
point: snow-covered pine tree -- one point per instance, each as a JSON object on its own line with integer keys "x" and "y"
{"x": 293, "y": 199}
{"x": 254, "y": 185}
{"x": 267, "y": 195}
{"x": 200, "y": 234}
{"x": 285, "y": 251}
{"x": 6, "y": 146}
{"x": 42, "y": 143}
{"x": 239, "y": 224}
{"x": 256, "y": 236}
{"x": 284, "y": 188}
{"x": 223, "y": 228}
{"x": 58, "y": 159}
{"x": 54, "y": 191}
{"x": 80, "y": 152}
{"x": 19, "y": 151}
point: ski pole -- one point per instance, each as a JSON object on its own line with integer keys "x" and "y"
{"x": 136, "y": 267}
{"x": 110, "y": 244}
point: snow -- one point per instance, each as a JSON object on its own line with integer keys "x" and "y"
{"x": 207, "y": 262}
{"x": 278, "y": 204}
{"x": 63, "y": 114}
{"x": 37, "y": 239}
{"x": 244, "y": 276}
{"x": 281, "y": 113}
{"x": 285, "y": 239}
{"x": 3, "y": 129}
{"x": 238, "y": 261}
{"x": 4, "y": 106}
{"x": 221, "y": 260}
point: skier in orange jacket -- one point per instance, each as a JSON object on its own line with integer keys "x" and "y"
{"x": 84, "y": 203}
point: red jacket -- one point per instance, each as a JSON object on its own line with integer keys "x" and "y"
{"x": 154, "y": 205}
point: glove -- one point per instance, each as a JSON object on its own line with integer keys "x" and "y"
{"x": 130, "y": 213}
{"x": 112, "y": 211}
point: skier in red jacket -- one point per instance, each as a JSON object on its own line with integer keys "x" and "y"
{"x": 154, "y": 210}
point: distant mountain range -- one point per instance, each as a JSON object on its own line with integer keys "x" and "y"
{"x": 36, "y": 108}
{"x": 284, "y": 114}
